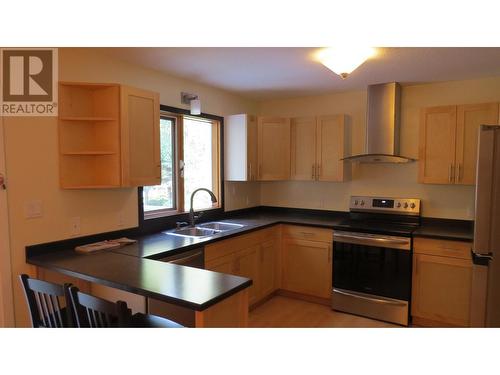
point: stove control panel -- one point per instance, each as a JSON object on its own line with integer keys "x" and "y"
{"x": 409, "y": 206}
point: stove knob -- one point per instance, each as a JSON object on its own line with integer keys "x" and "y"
{"x": 399, "y": 204}
{"x": 362, "y": 203}
{"x": 406, "y": 204}
{"x": 412, "y": 206}
{"x": 356, "y": 202}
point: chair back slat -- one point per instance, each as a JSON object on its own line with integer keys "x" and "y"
{"x": 94, "y": 312}
{"x": 44, "y": 303}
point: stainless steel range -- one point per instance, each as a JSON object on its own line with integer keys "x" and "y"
{"x": 373, "y": 258}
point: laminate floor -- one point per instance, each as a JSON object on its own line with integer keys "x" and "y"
{"x": 284, "y": 312}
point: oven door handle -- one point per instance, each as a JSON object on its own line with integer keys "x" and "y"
{"x": 372, "y": 299}
{"x": 372, "y": 239}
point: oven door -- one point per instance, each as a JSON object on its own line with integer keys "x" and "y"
{"x": 372, "y": 264}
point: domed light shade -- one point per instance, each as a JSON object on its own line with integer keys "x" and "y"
{"x": 344, "y": 60}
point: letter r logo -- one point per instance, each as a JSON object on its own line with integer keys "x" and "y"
{"x": 27, "y": 75}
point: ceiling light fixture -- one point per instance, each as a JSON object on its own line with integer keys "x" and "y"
{"x": 193, "y": 101}
{"x": 344, "y": 60}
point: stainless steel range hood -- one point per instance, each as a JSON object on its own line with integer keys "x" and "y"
{"x": 382, "y": 126}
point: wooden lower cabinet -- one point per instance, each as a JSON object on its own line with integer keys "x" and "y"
{"x": 246, "y": 264}
{"x": 307, "y": 267}
{"x": 253, "y": 255}
{"x": 441, "y": 290}
{"x": 267, "y": 265}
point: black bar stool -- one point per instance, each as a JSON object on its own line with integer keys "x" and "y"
{"x": 94, "y": 312}
{"x": 47, "y": 303}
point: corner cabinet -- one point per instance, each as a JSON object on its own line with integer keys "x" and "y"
{"x": 240, "y": 147}
{"x": 254, "y": 256}
{"x": 108, "y": 136}
{"x": 448, "y": 142}
{"x": 273, "y": 154}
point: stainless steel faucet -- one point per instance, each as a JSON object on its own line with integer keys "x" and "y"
{"x": 193, "y": 218}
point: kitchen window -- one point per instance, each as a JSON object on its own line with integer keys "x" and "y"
{"x": 190, "y": 159}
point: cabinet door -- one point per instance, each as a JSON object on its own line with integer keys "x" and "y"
{"x": 251, "y": 148}
{"x": 223, "y": 264}
{"x": 247, "y": 265}
{"x": 307, "y": 267}
{"x": 441, "y": 289}
{"x": 273, "y": 148}
{"x": 330, "y": 148}
{"x": 469, "y": 118}
{"x": 267, "y": 266}
{"x": 303, "y": 148}
{"x": 140, "y": 137}
{"x": 437, "y": 145}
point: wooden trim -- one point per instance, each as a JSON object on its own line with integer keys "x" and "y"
{"x": 179, "y": 155}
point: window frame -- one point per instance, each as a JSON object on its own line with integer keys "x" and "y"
{"x": 159, "y": 219}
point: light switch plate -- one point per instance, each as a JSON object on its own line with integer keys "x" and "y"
{"x": 33, "y": 209}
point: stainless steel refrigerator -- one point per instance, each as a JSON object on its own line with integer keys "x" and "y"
{"x": 485, "y": 298}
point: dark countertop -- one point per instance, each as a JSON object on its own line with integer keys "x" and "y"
{"x": 445, "y": 229}
{"x": 189, "y": 287}
{"x": 133, "y": 268}
{"x": 159, "y": 245}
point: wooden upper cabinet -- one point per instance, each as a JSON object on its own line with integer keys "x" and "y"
{"x": 273, "y": 148}
{"x": 469, "y": 118}
{"x": 448, "y": 142}
{"x": 330, "y": 148}
{"x": 240, "y": 151}
{"x": 140, "y": 140}
{"x": 303, "y": 149}
{"x": 437, "y": 144}
{"x": 108, "y": 136}
{"x": 317, "y": 145}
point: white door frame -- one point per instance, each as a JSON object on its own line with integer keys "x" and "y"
{"x": 6, "y": 298}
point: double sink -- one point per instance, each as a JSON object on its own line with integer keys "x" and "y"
{"x": 205, "y": 229}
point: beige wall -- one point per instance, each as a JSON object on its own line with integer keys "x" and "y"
{"x": 32, "y": 161}
{"x": 371, "y": 179}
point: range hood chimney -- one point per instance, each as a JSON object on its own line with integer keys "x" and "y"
{"x": 382, "y": 126}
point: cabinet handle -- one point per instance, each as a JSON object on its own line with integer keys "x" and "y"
{"x": 307, "y": 233}
{"x": 250, "y": 171}
{"x": 450, "y": 174}
{"x": 458, "y": 178}
{"x": 318, "y": 172}
{"x": 312, "y": 175}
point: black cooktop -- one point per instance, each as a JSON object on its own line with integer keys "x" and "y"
{"x": 380, "y": 224}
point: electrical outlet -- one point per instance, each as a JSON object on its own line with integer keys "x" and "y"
{"x": 33, "y": 209}
{"x": 74, "y": 226}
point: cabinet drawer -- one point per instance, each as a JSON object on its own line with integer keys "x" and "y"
{"x": 308, "y": 233}
{"x": 232, "y": 245}
{"x": 444, "y": 248}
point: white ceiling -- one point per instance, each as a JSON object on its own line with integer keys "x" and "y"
{"x": 263, "y": 73}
